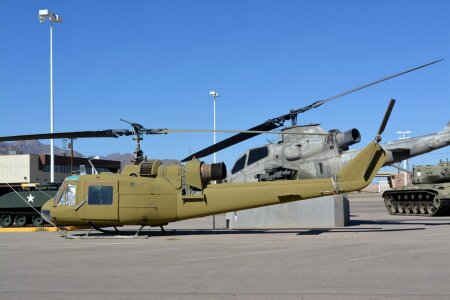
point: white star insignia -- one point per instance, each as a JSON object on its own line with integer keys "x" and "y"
{"x": 30, "y": 198}
{"x": 419, "y": 174}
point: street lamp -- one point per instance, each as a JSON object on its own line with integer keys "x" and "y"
{"x": 214, "y": 94}
{"x": 45, "y": 14}
{"x": 405, "y": 162}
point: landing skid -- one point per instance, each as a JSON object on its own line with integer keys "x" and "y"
{"x": 108, "y": 234}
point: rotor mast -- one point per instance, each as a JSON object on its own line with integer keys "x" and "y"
{"x": 138, "y": 137}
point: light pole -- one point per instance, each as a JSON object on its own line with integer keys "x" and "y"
{"x": 214, "y": 94}
{"x": 405, "y": 162}
{"x": 45, "y": 14}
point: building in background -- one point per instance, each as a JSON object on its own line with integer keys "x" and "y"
{"x": 35, "y": 168}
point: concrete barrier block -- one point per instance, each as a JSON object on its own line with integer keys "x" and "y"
{"x": 323, "y": 212}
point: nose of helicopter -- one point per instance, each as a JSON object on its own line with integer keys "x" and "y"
{"x": 46, "y": 210}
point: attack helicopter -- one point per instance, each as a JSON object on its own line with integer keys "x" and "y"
{"x": 309, "y": 151}
{"x": 148, "y": 193}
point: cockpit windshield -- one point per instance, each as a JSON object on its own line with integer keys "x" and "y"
{"x": 67, "y": 197}
{"x": 240, "y": 164}
{"x": 257, "y": 154}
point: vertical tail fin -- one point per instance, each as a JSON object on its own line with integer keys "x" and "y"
{"x": 447, "y": 128}
{"x": 361, "y": 170}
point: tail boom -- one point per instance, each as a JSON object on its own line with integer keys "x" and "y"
{"x": 228, "y": 197}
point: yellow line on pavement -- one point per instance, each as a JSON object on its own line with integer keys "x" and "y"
{"x": 35, "y": 229}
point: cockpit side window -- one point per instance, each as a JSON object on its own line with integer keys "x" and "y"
{"x": 257, "y": 154}
{"x": 239, "y": 165}
{"x": 68, "y": 195}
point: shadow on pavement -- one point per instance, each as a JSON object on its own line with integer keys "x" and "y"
{"x": 182, "y": 232}
{"x": 400, "y": 222}
{"x": 353, "y": 230}
{"x": 206, "y": 232}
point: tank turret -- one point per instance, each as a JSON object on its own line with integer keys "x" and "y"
{"x": 431, "y": 174}
{"x": 428, "y": 195}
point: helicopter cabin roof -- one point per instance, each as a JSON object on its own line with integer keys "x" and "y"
{"x": 73, "y": 178}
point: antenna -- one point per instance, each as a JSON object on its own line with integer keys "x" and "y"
{"x": 94, "y": 170}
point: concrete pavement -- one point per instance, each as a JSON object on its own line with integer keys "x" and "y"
{"x": 378, "y": 257}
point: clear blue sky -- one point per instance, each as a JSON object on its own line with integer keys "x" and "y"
{"x": 154, "y": 62}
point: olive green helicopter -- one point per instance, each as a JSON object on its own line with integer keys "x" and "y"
{"x": 148, "y": 193}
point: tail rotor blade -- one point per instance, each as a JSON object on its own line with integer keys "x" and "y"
{"x": 385, "y": 120}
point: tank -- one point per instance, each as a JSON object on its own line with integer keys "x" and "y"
{"x": 428, "y": 195}
{"x": 14, "y": 211}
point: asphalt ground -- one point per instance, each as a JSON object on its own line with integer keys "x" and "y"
{"x": 377, "y": 257}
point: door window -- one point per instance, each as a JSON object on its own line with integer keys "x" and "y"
{"x": 100, "y": 195}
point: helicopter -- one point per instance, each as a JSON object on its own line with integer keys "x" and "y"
{"x": 148, "y": 193}
{"x": 309, "y": 151}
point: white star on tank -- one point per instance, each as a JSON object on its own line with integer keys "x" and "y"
{"x": 30, "y": 198}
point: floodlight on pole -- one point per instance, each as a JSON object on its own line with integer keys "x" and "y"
{"x": 45, "y": 14}
{"x": 214, "y": 94}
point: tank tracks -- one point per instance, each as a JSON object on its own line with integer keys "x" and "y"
{"x": 416, "y": 203}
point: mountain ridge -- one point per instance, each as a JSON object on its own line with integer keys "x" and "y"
{"x": 36, "y": 147}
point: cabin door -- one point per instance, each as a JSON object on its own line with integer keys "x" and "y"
{"x": 102, "y": 201}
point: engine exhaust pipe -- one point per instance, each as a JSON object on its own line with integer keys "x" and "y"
{"x": 210, "y": 172}
{"x": 348, "y": 138}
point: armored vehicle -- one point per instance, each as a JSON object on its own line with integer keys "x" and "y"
{"x": 429, "y": 194}
{"x": 19, "y": 208}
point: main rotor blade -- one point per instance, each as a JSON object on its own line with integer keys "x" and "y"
{"x": 279, "y": 121}
{"x": 323, "y": 101}
{"x": 237, "y": 138}
{"x": 385, "y": 120}
{"x": 114, "y": 133}
{"x": 164, "y": 131}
